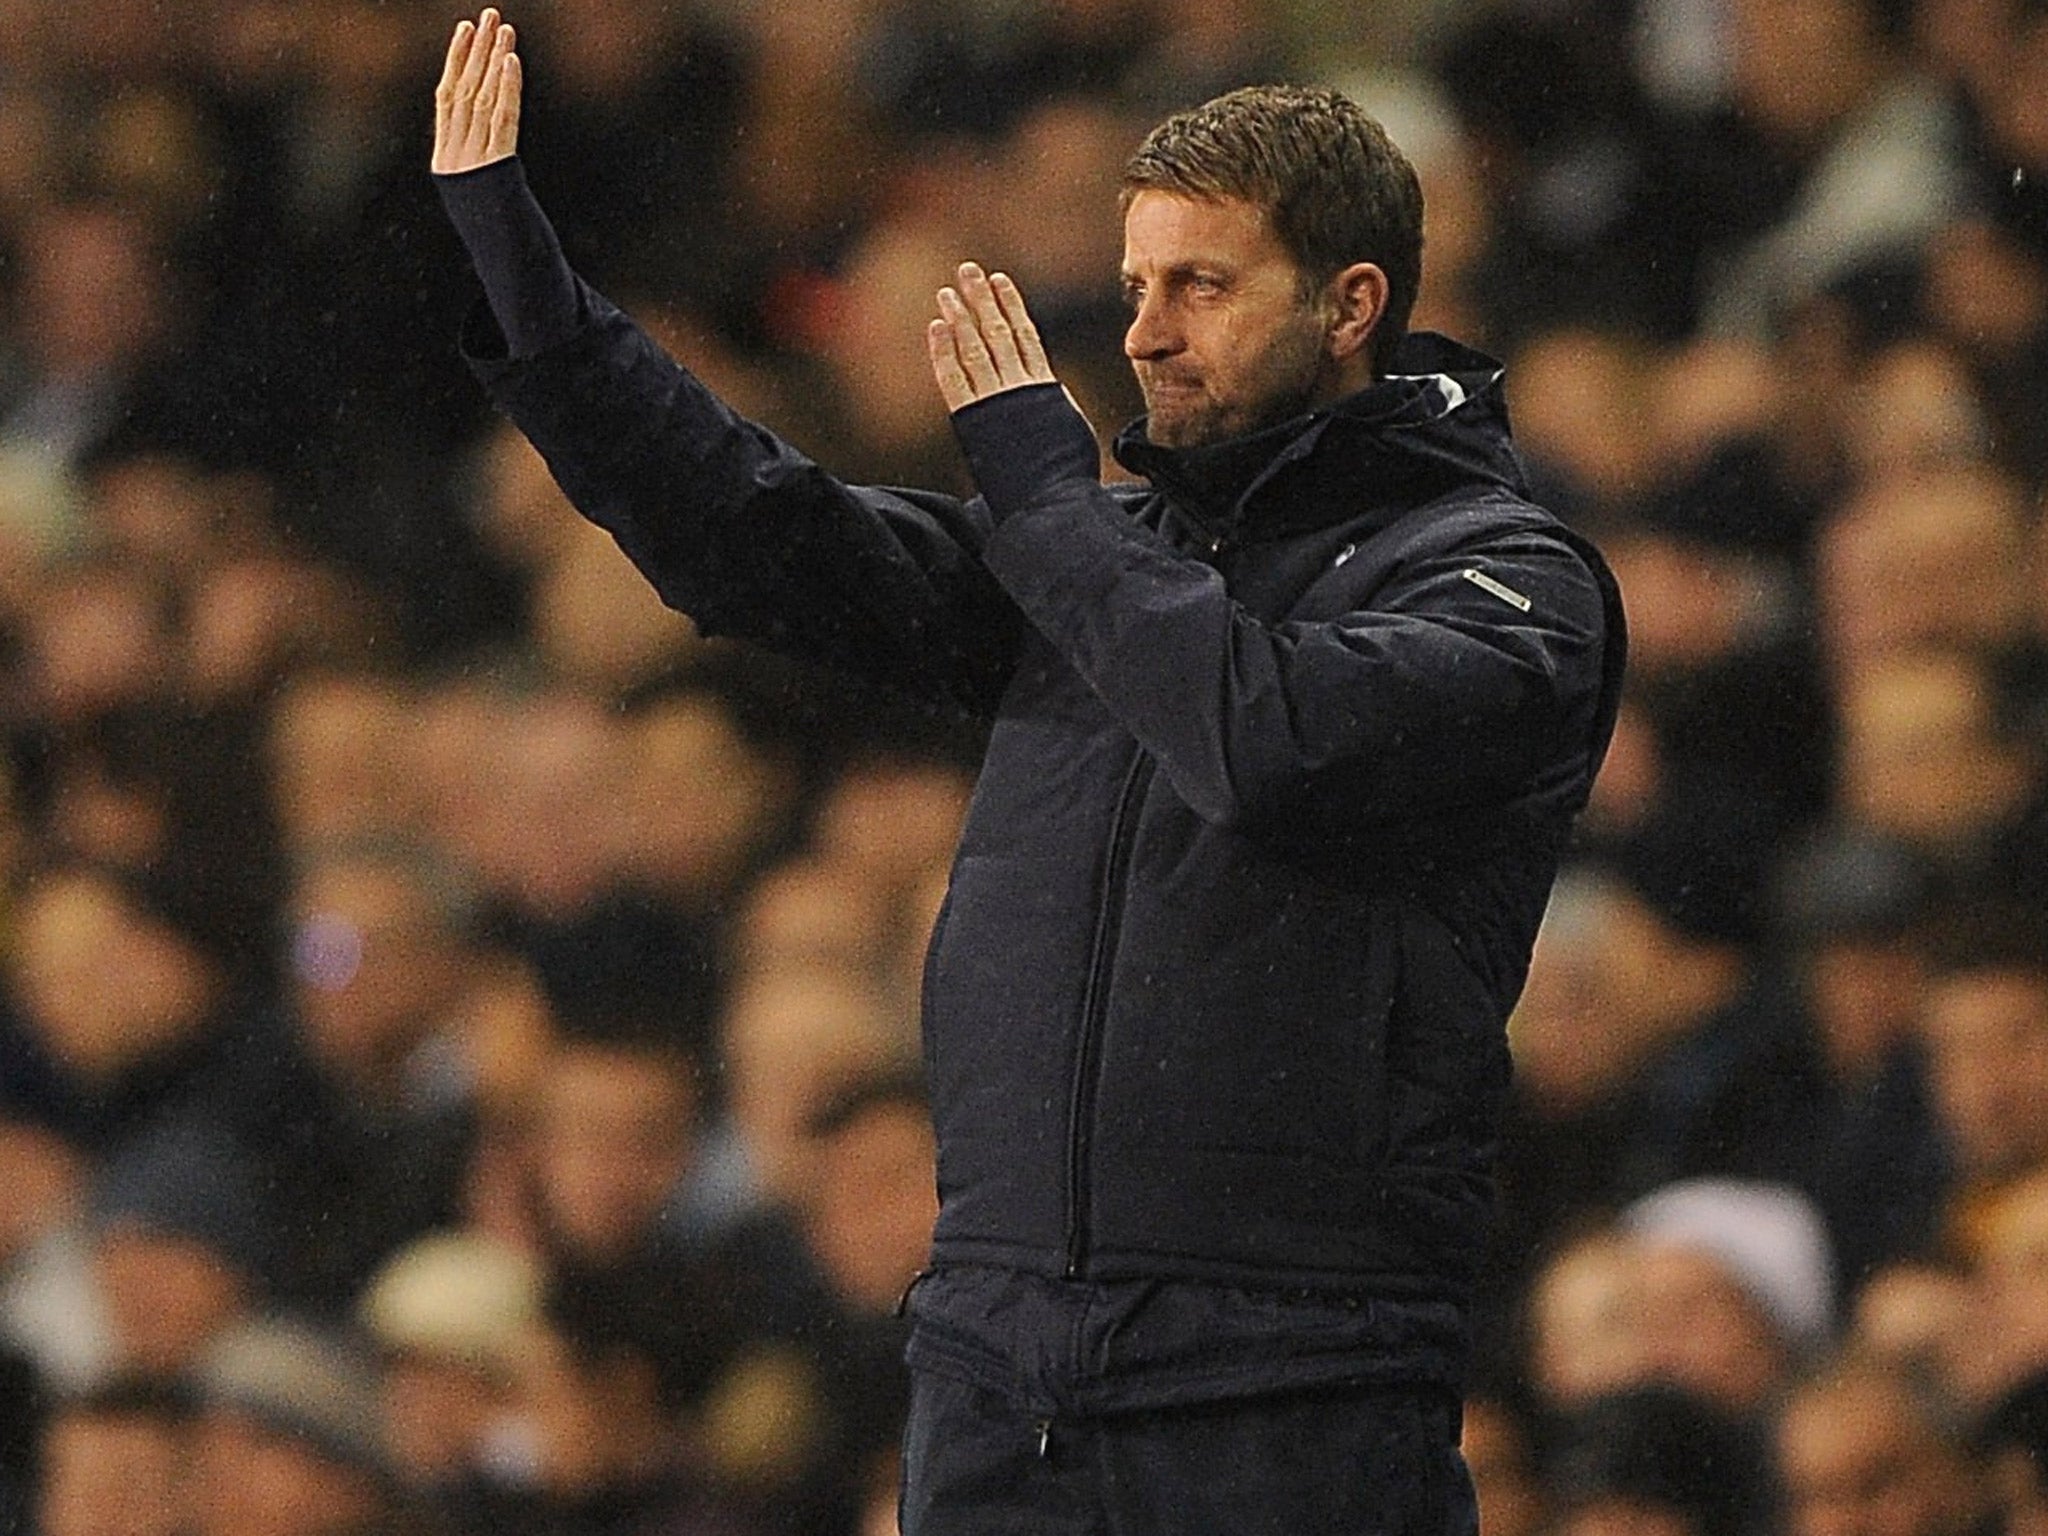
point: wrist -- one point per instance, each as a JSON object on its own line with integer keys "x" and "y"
{"x": 1020, "y": 442}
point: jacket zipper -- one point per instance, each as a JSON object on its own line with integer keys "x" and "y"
{"x": 1095, "y": 1007}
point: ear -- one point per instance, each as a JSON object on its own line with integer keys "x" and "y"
{"x": 1357, "y": 299}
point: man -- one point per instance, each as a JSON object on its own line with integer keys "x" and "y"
{"x": 116, "y": 1459}
{"x": 1862, "y": 1450}
{"x": 1284, "y": 747}
{"x": 288, "y": 1440}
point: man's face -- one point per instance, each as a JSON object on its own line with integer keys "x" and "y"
{"x": 613, "y": 1139}
{"x": 1856, "y": 1463}
{"x": 1987, "y": 1037}
{"x": 1222, "y": 338}
{"x": 372, "y": 964}
{"x": 112, "y": 1473}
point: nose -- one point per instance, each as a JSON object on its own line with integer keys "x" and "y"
{"x": 1152, "y": 334}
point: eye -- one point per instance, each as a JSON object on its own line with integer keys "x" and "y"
{"x": 1134, "y": 295}
{"x": 1205, "y": 284}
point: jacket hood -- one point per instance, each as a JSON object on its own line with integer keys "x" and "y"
{"x": 1436, "y": 419}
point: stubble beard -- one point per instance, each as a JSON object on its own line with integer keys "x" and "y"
{"x": 1283, "y": 382}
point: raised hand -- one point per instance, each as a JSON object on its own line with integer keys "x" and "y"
{"x": 476, "y": 105}
{"x": 983, "y": 341}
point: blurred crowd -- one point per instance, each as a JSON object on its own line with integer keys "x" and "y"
{"x": 458, "y": 1052}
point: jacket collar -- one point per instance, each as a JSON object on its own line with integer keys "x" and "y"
{"x": 1435, "y": 418}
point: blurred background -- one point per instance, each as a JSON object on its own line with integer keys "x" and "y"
{"x": 458, "y": 1063}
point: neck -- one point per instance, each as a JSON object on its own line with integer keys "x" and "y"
{"x": 1341, "y": 377}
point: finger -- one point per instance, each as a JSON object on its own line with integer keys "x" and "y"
{"x": 447, "y": 124}
{"x": 505, "y": 119}
{"x": 968, "y": 341}
{"x": 952, "y": 379}
{"x": 994, "y": 327}
{"x": 1030, "y": 349}
{"x": 458, "y": 55}
{"x": 488, "y": 92}
{"x": 481, "y": 40}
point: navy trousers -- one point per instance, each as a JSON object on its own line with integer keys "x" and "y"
{"x": 1347, "y": 1462}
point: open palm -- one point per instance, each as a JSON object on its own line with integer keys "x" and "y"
{"x": 476, "y": 105}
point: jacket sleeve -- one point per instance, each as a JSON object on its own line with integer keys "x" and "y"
{"x": 1439, "y": 692}
{"x": 739, "y": 530}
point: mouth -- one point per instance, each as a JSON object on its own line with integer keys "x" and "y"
{"x": 1155, "y": 384}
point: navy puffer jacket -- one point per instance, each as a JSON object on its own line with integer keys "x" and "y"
{"x": 1286, "y": 742}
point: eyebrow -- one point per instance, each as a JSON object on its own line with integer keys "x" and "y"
{"x": 1182, "y": 270}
